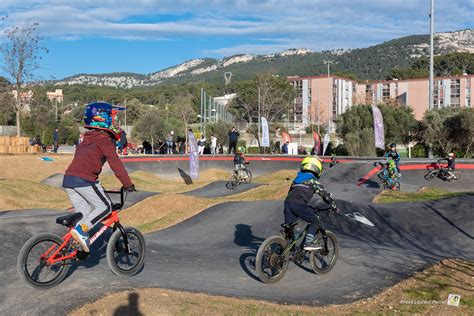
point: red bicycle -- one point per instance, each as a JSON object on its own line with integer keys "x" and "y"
{"x": 45, "y": 258}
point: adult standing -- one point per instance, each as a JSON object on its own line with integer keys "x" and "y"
{"x": 201, "y": 145}
{"x": 233, "y": 138}
{"x": 213, "y": 144}
{"x": 169, "y": 143}
{"x": 276, "y": 141}
{"x": 55, "y": 140}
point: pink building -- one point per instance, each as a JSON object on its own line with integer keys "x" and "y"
{"x": 319, "y": 98}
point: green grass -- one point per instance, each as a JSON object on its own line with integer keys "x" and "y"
{"x": 424, "y": 194}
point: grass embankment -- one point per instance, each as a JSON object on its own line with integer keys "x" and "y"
{"x": 21, "y": 194}
{"x": 424, "y": 294}
{"x": 170, "y": 208}
{"x": 153, "y": 183}
{"x": 424, "y": 194}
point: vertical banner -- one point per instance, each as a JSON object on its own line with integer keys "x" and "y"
{"x": 325, "y": 142}
{"x": 193, "y": 156}
{"x": 265, "y": 133}
{"x": 286, "y": 137}
{"x": 317, "y": 142}
{"x": 378, "y": 128}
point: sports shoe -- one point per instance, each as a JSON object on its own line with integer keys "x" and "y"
{"x": 310, "y": 246}
{"x": 81, "y": 237}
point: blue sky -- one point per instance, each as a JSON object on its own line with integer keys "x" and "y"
{"x": 145, "y": 36}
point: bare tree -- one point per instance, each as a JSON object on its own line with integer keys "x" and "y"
{"x": 183, "y": 108}
{"x": 20, "y": 50}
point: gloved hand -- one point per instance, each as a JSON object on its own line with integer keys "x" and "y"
{"x": 130, "y": 188}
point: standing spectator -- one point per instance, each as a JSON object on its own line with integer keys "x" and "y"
{"x": 213, "y": 144}
{"x": 201, "y": 145}
{"x": 284, "y": 148}
{"x": 169, "y": 143}
{"x": 276, "y": 141}
{"x": 233, "y": 138}
{"x": 147, "y": 148}
{"x": 55, "y": 140}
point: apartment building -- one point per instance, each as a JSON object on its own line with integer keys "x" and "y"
{"x": 321, "y": 98}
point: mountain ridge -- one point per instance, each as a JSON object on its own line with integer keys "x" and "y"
{"x": 372, "y": 62}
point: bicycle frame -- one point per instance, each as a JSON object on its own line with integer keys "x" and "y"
{"x": 111, "y": 219}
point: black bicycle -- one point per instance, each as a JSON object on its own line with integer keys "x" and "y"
{"x": 275, "y": 253}
{"x": 436, "y": 170}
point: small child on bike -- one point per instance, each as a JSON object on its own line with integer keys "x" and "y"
{"x": 80, "y": 179}
{"x": 392, "y": 171}
{"x": 451, "y": 166}
{"x": 239, "y": 160}
{"x": 393, "y": 154}
{"x": 303, "y": 188}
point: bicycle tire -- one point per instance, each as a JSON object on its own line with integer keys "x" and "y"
{"x": 270, "y": 260}
{"x": 32, "y": 277}
{"x": 248, "y": 178}
{"x": 116, "y": 252}
{"x": 397, "y": 186}
{"x": 317, "y": 257}
{"x": 432, "y": 174}
{"x": 457, "y": 175}
{"x": 232, "y": 181}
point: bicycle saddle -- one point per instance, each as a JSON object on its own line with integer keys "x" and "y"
{"x": 69, "y": 220}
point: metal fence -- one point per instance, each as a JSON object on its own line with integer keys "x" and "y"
{"x": 7, "y": 130}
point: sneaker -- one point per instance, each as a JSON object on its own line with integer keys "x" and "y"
{"x": 310, "y": 246}
{"x": 81, "y": 237}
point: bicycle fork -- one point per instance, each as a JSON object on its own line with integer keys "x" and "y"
{"x": 124, "y": 235}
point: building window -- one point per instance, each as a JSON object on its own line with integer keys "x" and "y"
{"x": 386, "y": 92}
{"x": 369, "y": 93}
{"x": 468, "y": 93}
{"x": 455, "y": 93}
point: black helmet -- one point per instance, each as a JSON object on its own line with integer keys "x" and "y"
{"x": 393, "y": 145}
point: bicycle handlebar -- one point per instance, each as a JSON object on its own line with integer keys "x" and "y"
{"x": 123, "y": 196}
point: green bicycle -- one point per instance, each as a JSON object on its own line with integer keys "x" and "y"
{"x": 275, "y": 253}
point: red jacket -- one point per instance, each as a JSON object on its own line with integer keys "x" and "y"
{"x": 92, "y": 153}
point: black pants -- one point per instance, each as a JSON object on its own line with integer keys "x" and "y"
{"x": 276, "y": 149}
{"x": 232, "y": 146}
{"x": 293, "y": 211}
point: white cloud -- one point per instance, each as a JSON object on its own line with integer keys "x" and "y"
{"x": 336, "y": 22}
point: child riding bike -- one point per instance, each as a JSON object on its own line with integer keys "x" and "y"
{"x": 80, "y": 179}
{"x": 240, "y": 161}
{"x": 446, "y": 173}
{"x": 303, "y": 188}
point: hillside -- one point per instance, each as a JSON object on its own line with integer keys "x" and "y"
{"x": 373, "y": 62}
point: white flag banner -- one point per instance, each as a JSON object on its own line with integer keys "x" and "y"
{"x": 325, "y": 142}
{"x": 265, "y": 133}
{"x": 378, "y": 128}
{"x": 193, "y": 156}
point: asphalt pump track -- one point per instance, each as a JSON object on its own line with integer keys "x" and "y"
{"x": 214, "y": 251}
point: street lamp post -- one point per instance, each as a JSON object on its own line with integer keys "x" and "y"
{"x": 329, "y": 62}
{"x": 430, "y": 105}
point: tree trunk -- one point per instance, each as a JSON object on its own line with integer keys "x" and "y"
{"x": 18, "y": 128}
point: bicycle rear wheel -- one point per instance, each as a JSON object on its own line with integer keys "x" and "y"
{"x": 247, "y": 176}
{"x": 120, "y": 260}
{"x": 271, "y": 264}
{"x": 33, "y": 269}
{"x": 323, "y": 261}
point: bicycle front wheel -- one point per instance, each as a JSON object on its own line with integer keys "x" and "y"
{"x": 396, "y": 186}
{"x": 32, "y": 265}
{"x": 123, "y": 261}
{"x": 457, "y": 175}
{"x": 233, "y": 181}
{"x": 323, "y": 261}
{"x": 271, "y": 264}
{"x": 247, "y": 176}
{"x": 431, "y": 174}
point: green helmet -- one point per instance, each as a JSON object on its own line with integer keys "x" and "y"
{"x": 391, "y": 163}
{"x": 313, "y": 165}
{"x": 241, "y": 149}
